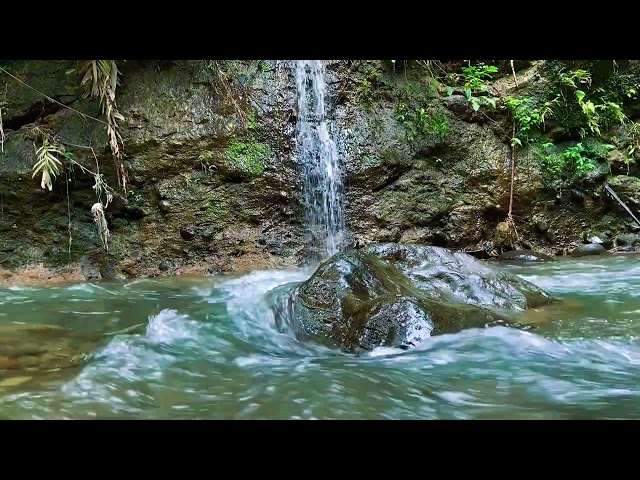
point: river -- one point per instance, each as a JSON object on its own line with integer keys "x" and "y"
{"x": 206, "y": 348}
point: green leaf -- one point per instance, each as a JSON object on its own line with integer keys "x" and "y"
{"x": 449, "y": 91}
{"x": 580, "y": 94}
{"x": 467, "y": 92}
{"x": 491, "y": 101}
{"x": 516, "y": 141}
{"x": 475, "y": 104}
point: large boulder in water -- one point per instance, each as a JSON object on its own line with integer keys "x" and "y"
{"x": 399, "y": 295}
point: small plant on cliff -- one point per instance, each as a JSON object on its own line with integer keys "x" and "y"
{"x": 47, "y": 163}
{"x": 595, "y": 105}
{"x": 527, "y": 117}
{"x": 632, "y": 138}
{"x": 475, "y": 82}
{"x": 100, "y": 80}
{"x": 422, "y": 121}
{"x": 564, "y": 167}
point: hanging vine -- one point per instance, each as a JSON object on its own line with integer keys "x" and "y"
{"x": 100, "y": 80}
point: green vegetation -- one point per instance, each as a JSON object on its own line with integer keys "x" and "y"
{"x": 528, "y": 117}
{"x": 587, "y": 102}
{"x": 566, "y": 166}
{"x": 370, "y": 86}
{"x": 475, "y": 82}
{"x": 264, "y": 67}
{"x": 214, "y": 208}
{"x": 248, "y": 157}
{"x": 422, "y": 121}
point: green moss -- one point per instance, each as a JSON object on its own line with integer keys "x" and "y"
{"x": 214, "y": 206}
{"x": 249, "y": 157}
{"x": 215, "y": 209}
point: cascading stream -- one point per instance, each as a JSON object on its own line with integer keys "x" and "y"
{"x": 318, "y": 155}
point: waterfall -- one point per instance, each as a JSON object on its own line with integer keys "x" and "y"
{"x": 318, "y": 155}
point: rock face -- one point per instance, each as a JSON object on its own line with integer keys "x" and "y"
{"x": 399, "y": 295}
{"x": 214, "y": 182}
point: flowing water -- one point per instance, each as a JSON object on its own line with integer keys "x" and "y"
{"x": 207, "y": 348}
{"x": 318, "y": 155}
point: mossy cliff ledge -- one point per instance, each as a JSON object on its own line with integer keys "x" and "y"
{"x": 214, "y": 185}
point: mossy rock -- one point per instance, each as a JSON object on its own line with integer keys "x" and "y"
{"x": 247, "y": 157}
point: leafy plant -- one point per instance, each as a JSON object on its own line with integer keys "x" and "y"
{"x": 422, "y": 121}
{"x": 597, "y": 109}
{"x": 439, "y": 125}
{"x": 101, "y": 80}
{"x": 47, "y": 163}
{"x": 528, "y": 116}
{"x": 252, "y": 121}
{"x": 475, "y": 86}
{"x": 475, "y": 77}
{"x": 565, "y": 166}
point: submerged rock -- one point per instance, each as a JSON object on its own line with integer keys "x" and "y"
{"x": 395, "y": 295}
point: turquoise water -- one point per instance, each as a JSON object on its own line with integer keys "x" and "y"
{"x": 207, "y": 348}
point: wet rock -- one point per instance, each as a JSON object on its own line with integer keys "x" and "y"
{"x": 108, "y": 271}
{"x": 502, "y": 235}
{"x": 164, "y": 206}
{"x": 626, "y": 186}
{"x": 627, "y": 240}
{"x": 163, "y": 267}
{"x": 603, "y": 238}
{"x": 399, "y": 295}
{"x": 187, "y": 233}
{"x": 542, "y": 224}
{"x": 588, "y": 249}
{"x": 524, "y": 255}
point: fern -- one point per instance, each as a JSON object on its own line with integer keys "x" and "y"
{"x": 47, "y": 164}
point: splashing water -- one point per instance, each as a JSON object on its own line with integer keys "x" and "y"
{"x": 208, "y": 348}
{"x": 317, "y": 152}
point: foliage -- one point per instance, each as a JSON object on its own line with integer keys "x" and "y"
{"x": 47, "y": 163}
{"x": 422, "y": 121}
{"x": 566, "y": 166}
{"x": 369, "y": 86}
{"x": 475, "y": 82}
{"x": 252, "y": 121}
{"x": 475, "y": 77}
{"x": 528, "y": 116}
{"x": 589, "y": 106}
{"x": 100, "y": 79}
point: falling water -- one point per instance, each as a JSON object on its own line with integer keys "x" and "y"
{"x": 322, "y": 176}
